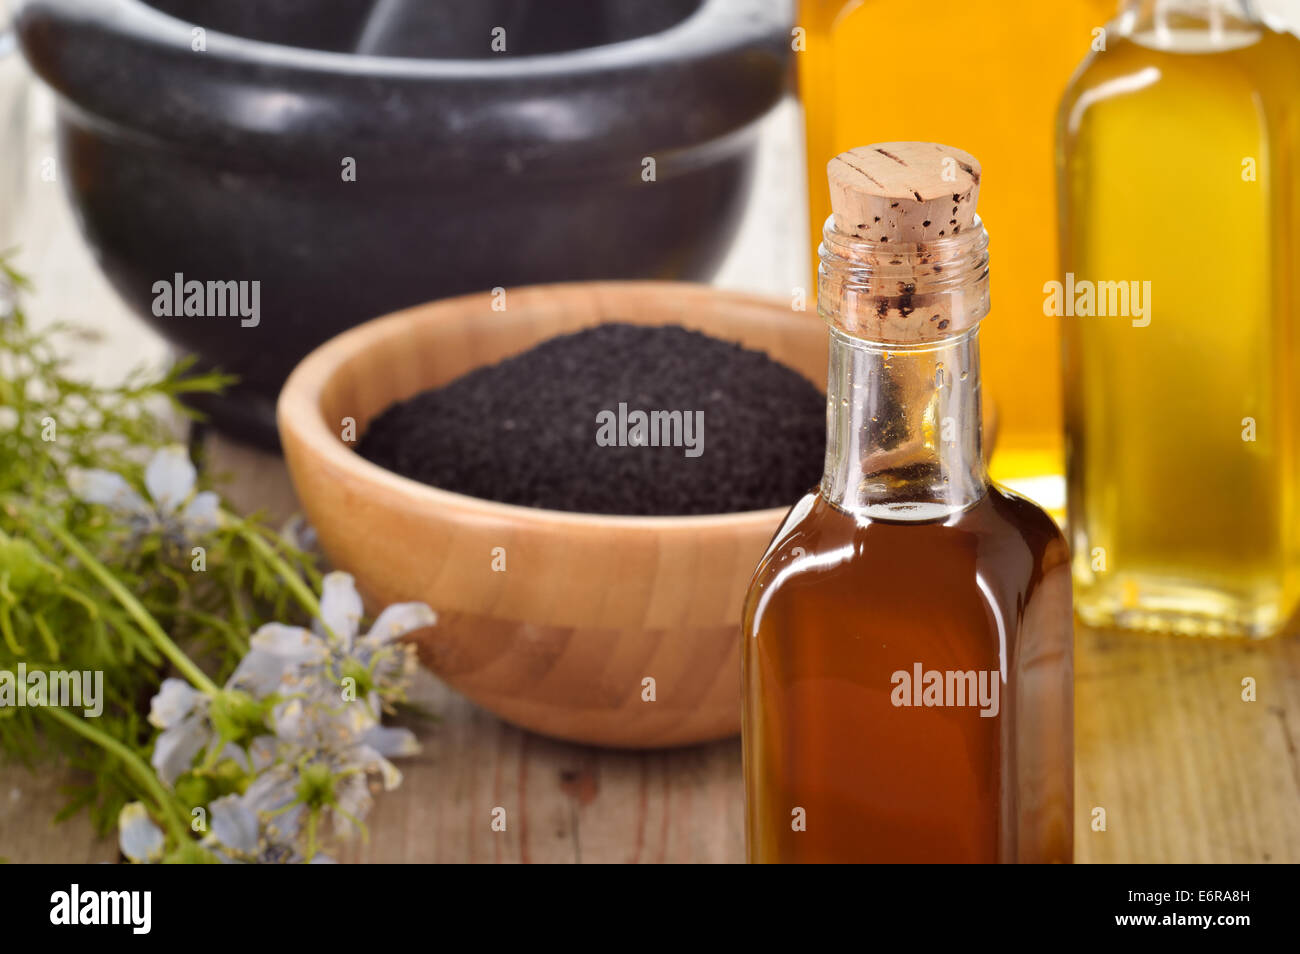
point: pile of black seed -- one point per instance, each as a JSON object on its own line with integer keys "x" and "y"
{"x": 524, "y": 431}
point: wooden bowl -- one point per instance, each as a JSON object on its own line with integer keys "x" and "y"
{"x": 588, "y": 607}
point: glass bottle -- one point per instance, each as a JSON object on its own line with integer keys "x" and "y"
{"x": 1179, "y": 153}
{"x": 907, "y": 562}
{"x": 986, "y": 77}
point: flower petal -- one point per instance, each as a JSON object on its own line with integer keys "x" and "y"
{"x": 284, "y": 828}
{"x": 340, "y": 606}
{"x": 339, "y": 727}
{"x": 300, "y": 533}
{"x": 233, "y": 824}
{"x": 170, "y": 478}
{"x": 289, "y": 642}
{"x": 291, "y": 721}
{"x": 271, "y": 791}
{"x": 372, "y": 761}
{"x": 107, "y": 488}
{"x": 259, "y": 673}
{"x": 175, "y": 700}
{"x": 202, "y": 514}
{"x": 176, "y": 747}
{"x": 398, "y": 620}
{"x": 391, "y": 742}
{"x": 353, "y": 804}
{"x": 261, "y": 752}
{"x": 138, "y": 837}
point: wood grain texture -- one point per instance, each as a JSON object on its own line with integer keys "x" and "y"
{"x": 28, "y": 834}
{"x": 1186, "y": 770}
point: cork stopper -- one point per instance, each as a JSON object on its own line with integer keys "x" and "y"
{"x": 904, "y": 191}
{"x": 905, "y": 257}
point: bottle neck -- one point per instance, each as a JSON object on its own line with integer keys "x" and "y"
{"x": 1162, "y": 15}
{"x": 903, "y": 428}
{"x": 903, "y": 422}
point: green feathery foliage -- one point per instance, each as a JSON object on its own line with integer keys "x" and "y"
{"x": 65, "y": 564}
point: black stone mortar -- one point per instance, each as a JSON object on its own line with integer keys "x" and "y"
{"x": 474, "y": 169}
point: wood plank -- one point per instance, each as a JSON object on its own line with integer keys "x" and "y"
{"x": 28, "y": 834}
{"x": 563, "y": 803}
{"x": 1186, "y": 770}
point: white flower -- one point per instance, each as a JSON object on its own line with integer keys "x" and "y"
{"x": 336, "y": 777}
{"x": 238, "y": 832}
{"x": 184, "y": 716}
{"x": 316, "y": 662}
{"x": 328, "y": 748}
{"x": 173, "y": 505}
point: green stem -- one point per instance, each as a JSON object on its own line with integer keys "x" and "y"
{"x": 137, "y": 612}
{"x": 291, "y": 578}
{"x": 91, "y": 609}
{"x": 6, "y": 627}
{"x": 51, "y": 644}
{"x": 313, "y": 816}
{"x": 165, "y": 805}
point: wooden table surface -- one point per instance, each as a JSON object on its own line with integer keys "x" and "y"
{"x": 1184, "y": 768}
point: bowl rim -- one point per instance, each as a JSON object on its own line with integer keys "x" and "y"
{"x": 298, "y": 410}
{"x": 729, "y": 58}
{"x": 700, "y": 33}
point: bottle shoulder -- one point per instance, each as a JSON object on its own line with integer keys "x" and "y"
{"x": 1127, "y": 70}
{"x": 819, "y": 545}
{"x": 1034, "y": 524}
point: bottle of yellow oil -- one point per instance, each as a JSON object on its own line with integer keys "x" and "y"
{"x": 986, "y": 77}
{"x": 1179, "y": 152}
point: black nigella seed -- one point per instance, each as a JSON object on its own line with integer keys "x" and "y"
{"x": 764, "y": 426}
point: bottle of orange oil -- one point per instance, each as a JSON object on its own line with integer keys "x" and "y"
{"x": 907, "y": 642}
{"x": 1180, "y": 246}
{"x": 987, "y": 76}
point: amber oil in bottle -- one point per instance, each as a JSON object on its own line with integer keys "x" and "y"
{"x": 907, "y": 638}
